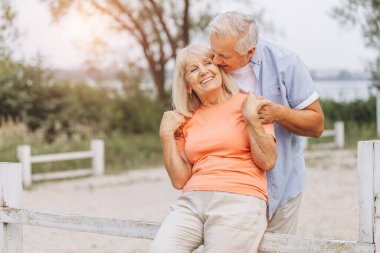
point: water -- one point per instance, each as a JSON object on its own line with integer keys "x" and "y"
{"x": 344, "y": 91}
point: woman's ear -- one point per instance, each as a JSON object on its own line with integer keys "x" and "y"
{"x": 189, "y": 90}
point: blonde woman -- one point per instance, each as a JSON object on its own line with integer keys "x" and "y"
{"x": 219, "y": 160}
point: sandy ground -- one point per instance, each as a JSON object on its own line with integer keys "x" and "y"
{"x": 329, "y": 208}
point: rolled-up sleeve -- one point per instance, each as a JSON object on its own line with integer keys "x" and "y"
{"x": 299, "y": 84}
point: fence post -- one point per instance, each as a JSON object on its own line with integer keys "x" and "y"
{"x": 24, "y": 155}
{"x": 97, "y": 147}
{"x": 10, "y": 196}
{"x": 376, "y": 193}
{"x": 339, "y": 134}
{"x": 369, "y": 192}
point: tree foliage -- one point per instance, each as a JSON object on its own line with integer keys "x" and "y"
{"x": 159, "y": 28}
{"x": 8, "y": 31}
{"x": 34, "y": 96}
{"x": 60, "y": 107}
{"x": 365, "y": 13}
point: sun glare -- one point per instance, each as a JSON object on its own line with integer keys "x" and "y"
{"x": 82, "y": 29}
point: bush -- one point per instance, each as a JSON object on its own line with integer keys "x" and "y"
{"x": 359, "y": 119}
{"x": 31, "y": 95}
{"x": 359, "y": 111}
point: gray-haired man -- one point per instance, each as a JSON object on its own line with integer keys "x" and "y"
{"x": 268, "y": 70}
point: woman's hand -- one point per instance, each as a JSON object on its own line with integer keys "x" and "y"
{"x": 252, "y": 105}
{"x": 176, "y": 163}
{"x": 171, "y": 121}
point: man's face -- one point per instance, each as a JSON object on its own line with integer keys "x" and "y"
{"x": 225, "y": 55}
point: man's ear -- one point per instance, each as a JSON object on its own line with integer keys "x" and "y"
{"x": 251, "y": 52}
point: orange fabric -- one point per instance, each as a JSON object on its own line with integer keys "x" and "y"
{"x": 216, "y": 143}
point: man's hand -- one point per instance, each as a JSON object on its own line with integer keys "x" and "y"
{"x": 170, "y": 122}
{"x": 267, "y": 113}
{"x": 252, "y": 105}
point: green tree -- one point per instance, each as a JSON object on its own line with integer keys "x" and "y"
{"x": 366, "y": 14}
{"x": 8, "y": 31}
{"x": 30, "y": 94}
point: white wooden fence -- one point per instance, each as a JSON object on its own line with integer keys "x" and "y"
{"x": 96, "y": 153}
{"x": 12, "y": 217}
{"x": 377, "y": 86}
{"x": 337, "y": 133}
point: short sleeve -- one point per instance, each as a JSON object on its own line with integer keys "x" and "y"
{"x": 299, "y": 85}
{"x": 180, "y": 141}
{"x": 181, "y": 134}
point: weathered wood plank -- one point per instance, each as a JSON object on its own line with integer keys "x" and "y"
{"x": 109, "y": 226}
{"x": 10, "y": 196}
{"x": 61, "y": 157}
{"x": 292, "y": 243}
{"x": 339, "y": 134}
{"x": 147, "y": 230}
{"x": 24, "y": 155}
{"x": 97, "y": 147}
{"x": 366, "y": 187}
{"x": 376, "y": 192}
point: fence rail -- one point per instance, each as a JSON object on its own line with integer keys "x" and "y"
{"x": 147, "y": 230}
{"x": 61, "y": 157}
{"x": 96, "y": 153}
{"x": 337, "y": 133}
{"x": 12, "y": 217}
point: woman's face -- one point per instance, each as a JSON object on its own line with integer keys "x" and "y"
{"x": 203, "y": 76}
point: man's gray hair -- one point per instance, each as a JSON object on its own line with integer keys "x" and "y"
{"x": 237, "y": 25}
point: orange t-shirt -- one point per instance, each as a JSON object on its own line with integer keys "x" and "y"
{"x": 216, "y": 143}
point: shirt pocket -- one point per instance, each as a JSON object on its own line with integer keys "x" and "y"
{"x": 277, "y": 93}
{"x": 275, "y": 90}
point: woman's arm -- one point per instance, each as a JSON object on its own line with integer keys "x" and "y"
{"x": 176, "y": 163}
{"x": 263, "y": 145}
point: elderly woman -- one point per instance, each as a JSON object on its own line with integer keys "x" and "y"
{"x": 216, "y": 150}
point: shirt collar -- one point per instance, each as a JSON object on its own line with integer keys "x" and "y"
{"x": 257, "y": 57}
{"x": 258, "y": 54}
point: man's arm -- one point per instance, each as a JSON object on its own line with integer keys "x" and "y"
{"x": 306, "y": 122}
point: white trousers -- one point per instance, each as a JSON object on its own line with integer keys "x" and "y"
{"x": 222, "y": 221}
{"x": 285, "y": 219}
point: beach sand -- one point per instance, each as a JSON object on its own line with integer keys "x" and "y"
{"x": 329, "y": 206}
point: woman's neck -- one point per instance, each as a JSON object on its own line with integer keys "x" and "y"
{"x": 214, "y": 98}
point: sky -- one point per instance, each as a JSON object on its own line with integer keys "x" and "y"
{"x": 302, "y": 26}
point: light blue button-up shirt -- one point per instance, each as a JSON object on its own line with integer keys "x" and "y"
{"x": 284, "y": 79}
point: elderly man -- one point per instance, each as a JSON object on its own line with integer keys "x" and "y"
{"x": 277, "y": 74}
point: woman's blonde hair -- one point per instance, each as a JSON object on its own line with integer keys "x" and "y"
{"x": 186, "y": 103}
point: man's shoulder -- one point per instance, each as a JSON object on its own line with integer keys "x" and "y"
{"x": 273, "y": 49}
